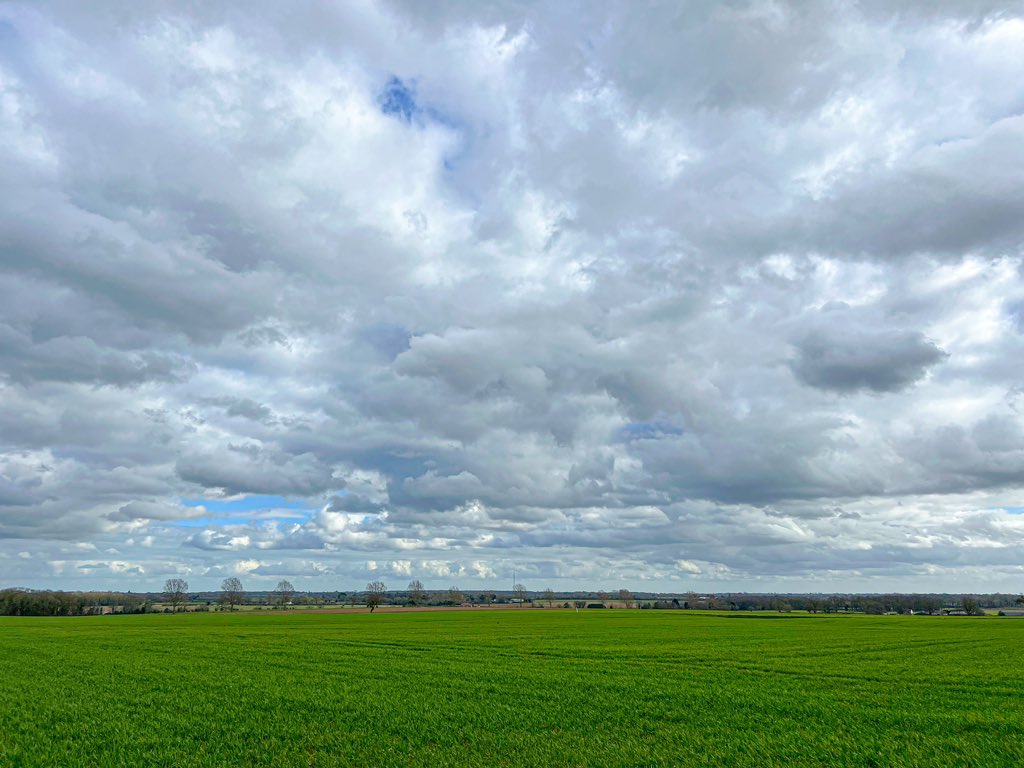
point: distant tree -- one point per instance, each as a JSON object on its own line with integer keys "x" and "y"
{"x": 417, "y": 594}
{"x": 971, "y": 607}
{"x": 626, "y": 597}
{"x": 284, "y": 592}
{"x": 872, "y": 607}
{"x": 175, "y": 592}
{"x": 232, "y": 592}
{"x": 549, "y": 597}
{"x": 520, "y": 592}
{"x": 454, "y": 595}
{"x": 603, "y": 596}
{"x": 375, "y": 591}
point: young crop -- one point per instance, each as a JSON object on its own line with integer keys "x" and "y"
{"x": 510, "y": 688}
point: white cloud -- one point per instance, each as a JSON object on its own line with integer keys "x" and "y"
{"x": 243, "y": 567}
{"x": 401, "y": 567}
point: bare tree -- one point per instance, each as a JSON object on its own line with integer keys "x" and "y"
{"x": 232, "y": 592}
{"x": 549, "y": 596}
{"x": 626, "y": 597}
{"x": 175, "y": 592}
{"x": 417, "y": 594}
{"x": 971, "y": 607}
{"x": 375, "y": 594}
{"x": 284, "y": 592}
{"x": 602, "y": 596}
{"x": 455, "y": 595}
{"x": 520, "y": 592}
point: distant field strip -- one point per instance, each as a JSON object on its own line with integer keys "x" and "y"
{"x": 511, "y": 688}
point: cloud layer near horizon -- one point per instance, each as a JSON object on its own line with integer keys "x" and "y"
{"x": 712, "y": 296}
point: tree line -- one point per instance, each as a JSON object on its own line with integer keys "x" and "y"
{"x": 29, "y": 602}
{"x": 177, "y": 597}
{"x": 232, "y": 593}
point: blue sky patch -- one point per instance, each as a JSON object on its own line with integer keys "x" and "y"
{"x": 248, "y": 509}
{"x": 398, "y": 99}
{"x": 251, "y": 503}
{"x": 205, "y": 522}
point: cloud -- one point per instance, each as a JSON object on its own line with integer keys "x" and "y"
{"x": 843, "y": 357}
{"x": 217, "y": 540}
{"x": 726, "y": 295}
{"x": 254, "y": 468}
{"x": 243, "y": 567}
{"x": 956, "y": 197}
{"x": 149, "y": 510}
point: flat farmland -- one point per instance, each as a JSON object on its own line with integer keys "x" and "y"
{"x": 511, "y": 688}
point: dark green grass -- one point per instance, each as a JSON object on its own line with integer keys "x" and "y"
{"x": 529, "y": 687}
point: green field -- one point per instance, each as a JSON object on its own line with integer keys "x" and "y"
{"x": 491, "y": 688}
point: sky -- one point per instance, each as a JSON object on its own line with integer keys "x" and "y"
{"x": 662, "y": 296}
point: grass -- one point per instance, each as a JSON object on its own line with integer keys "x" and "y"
{"x": 511, "y": 688}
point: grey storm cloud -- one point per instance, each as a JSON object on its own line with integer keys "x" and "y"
{"x": 252, "y": 468}
{"x": 714, "y": 294}
{"x": 142, "y": 510}
{"x": 847, "y": 359}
